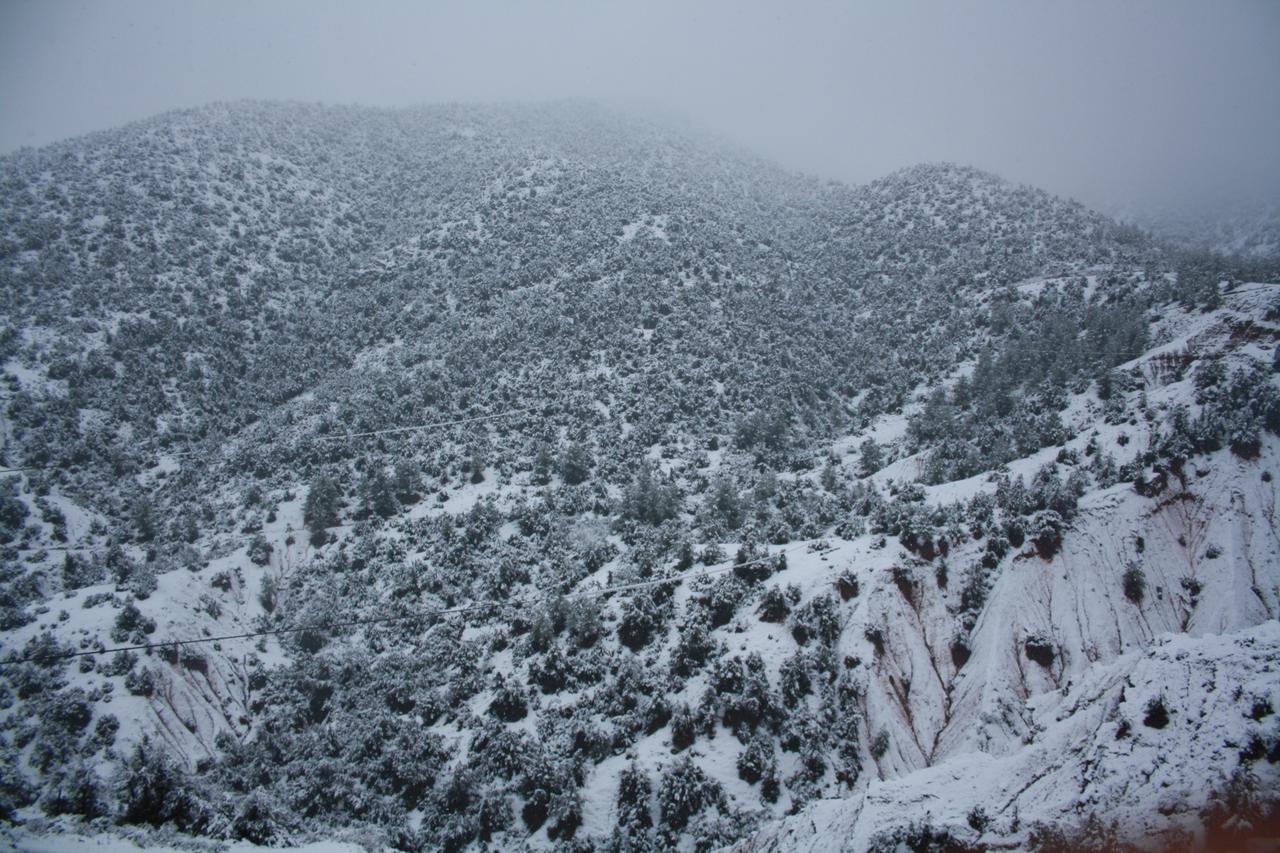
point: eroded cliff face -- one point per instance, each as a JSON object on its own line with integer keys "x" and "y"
{"x": 1151, "y": 739}
{"x": 1165, "y": 591}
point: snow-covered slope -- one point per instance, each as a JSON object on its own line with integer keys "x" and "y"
{"x": 1150, "y": 740}
{"x": 1252, "y": 230}
{"x": 497, "y": 426}
{"x": 1023, "y": 723}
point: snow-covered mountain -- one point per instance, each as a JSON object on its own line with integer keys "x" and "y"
{"x": 586, "y": 483}
{"x": 1248, "y": 230}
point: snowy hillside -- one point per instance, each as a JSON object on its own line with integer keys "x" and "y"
{"x": 582, "y": 484}
{"x": 1249, "y": 230}
{"x": 1160, "y": 745}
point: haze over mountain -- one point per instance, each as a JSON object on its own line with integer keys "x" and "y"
{"x": 1147, "y": 104}
{"x": 585, "y": 482}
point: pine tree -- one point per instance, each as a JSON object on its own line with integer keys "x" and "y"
{"x": 143, "y": 518}
{"x": 13, "y": 512}
{"x": 684, "y": 728}
{"x": 872, "y": 457}
{"x": 320, "y": 510}
{"x": 377, "y": 495}
{"x": 259, "y": 551}
{"x": 407, "y": 481}
{"x": 725, "y": 504}
{"x": 634, "y": 790}
{"x": 542, "y": 465}
{"x": 476, "y": 465}
{"x": 650, "y": 498}
{"x": 757, "y": 760}
{"x": 685, "y": 792}
{"x": 575, "y": 464}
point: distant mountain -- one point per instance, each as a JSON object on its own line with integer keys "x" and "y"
{"x": 881, "y": 470}
{"x": 256, "y": 252}
{"x": 1249, "y": 230}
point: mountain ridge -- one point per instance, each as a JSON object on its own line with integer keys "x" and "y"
{"x": 919, "y": 415}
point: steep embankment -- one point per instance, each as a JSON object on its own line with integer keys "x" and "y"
{"x": 1032, "y": 714}
{"x": 1155, "y": 746}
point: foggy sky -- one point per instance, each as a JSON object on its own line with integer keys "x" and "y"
{"x": 1108, "y": 102}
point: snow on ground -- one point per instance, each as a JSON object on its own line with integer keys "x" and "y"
{"x": 462, "y": 498}
{"x": 26, "y": 840}
{"x": 26, "y": 376}
{"x": 651, "y": 226}
{"x": 1039, "y": 741}
{"x": 1094, "y": 746}
{"x": 998, "y": 731}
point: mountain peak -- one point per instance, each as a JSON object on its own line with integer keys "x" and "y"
{"x": 942, "y": 171}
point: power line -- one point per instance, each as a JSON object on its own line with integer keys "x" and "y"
{"x": 420, "y": 427}
{"x": 1253, "y": 287}
{"x": 287, "y": 534}
{"x": 21, "y": 469}
{"x": 477, "y": 419}
{"x": 417, "y": 428}
{"x": 102, "y": 549}
{"x": 1010, "y": 348}
{"x": 183, "y": 454}
{"x": 538, "y": 595}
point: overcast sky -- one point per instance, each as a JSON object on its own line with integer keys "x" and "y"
{"x": 1105, "y": 101}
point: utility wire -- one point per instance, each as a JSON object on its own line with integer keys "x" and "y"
{"x": 183, "y": 454}
{"x": 245, "y": 538}
{"x": 459, "y": 422}
{"x": 437, "y": 425}
{"x": 531, "y": 597}
{"x": 102, "y": 549}
{"x": 22, "y": 468}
